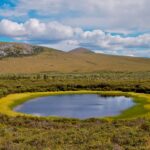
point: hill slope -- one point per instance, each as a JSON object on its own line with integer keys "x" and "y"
{"x": 79, "y": 60}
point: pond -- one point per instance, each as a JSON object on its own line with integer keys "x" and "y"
{"x": 76, "y": 106}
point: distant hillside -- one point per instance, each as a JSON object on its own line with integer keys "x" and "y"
{"x": 50, "y": 60}
{"x": 80, "y": 50}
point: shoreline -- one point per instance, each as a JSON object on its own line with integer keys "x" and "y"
{"x": 140, "y": 109}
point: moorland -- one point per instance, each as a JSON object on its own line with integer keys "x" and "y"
{"x": 25, "y": 68}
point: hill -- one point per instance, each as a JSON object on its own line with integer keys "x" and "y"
{"x": 80, "y": 50}
{"x": 35, "y": 59}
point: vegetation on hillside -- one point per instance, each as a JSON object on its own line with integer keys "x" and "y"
{"x": 78, "y": 61}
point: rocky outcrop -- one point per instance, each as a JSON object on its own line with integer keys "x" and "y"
{"x": 16, "y": 49}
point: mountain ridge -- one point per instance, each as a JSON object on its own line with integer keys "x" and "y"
{"x": 14, "y": 49}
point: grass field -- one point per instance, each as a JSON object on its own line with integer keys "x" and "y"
{"x": 32, "y": 133}
{"x": 62, "y": 134}
{"x": 73, "y": 62}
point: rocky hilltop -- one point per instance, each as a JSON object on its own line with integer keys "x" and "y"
{"x": 16, "y": 49}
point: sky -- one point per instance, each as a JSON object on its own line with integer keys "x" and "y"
{"x": 117, "y": 27}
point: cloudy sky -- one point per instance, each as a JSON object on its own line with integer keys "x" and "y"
{"x": 120, "y": 27}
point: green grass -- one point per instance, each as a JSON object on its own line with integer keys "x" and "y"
{"x": 141, "y": 108}
{"x": 101, "y": 81}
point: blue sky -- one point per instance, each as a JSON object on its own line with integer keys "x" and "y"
{"x": 112, "y": 26}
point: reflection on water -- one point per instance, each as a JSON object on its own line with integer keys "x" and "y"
{"x": 76, "y": 106}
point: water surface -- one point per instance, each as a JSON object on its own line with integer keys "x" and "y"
{"x": 76, "y": 106}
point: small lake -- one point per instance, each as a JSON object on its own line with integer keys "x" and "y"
{"x": 76, "y": 106}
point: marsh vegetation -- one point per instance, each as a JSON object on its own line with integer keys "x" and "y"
{"x": 104, "y": 81}
{"x": 23, "y": 132}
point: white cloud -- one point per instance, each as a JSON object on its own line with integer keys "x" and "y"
{"x": 11, "y": 28}
{"x": 36, "y": 30}
{"x": 114, "y": 15}
{"x": 93, "y": 34}
{"x": 65, "y": 37}
{"x": 65, "y": 45}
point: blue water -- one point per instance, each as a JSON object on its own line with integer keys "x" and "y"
{"x": 76, "y": 106}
